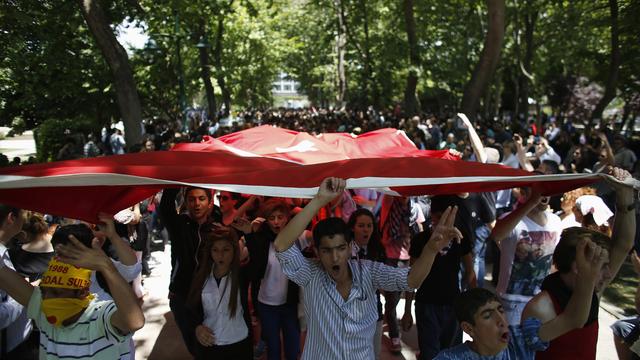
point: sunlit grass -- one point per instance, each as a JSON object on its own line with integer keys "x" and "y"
{"x": 622, "y": 290}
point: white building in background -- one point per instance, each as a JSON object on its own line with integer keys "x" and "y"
{"x": 285, "y": 93}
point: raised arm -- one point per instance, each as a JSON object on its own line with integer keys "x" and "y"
{"x": 624, "y": 227}
{"x": 521, "y": 154}
{"x": 246, "y": 205}
{"x": 476, "y": 143}
{"x": 128, "y": 317}
{"x": 442, "y": 235}
{"x": 126, "y": 255}
{"x": 504, "y": 226}
{"x": 589, "y": 261}
{"x": 168, "y": 212}
{"x": 329, "y": 189}
{"x": 15, "y": 285}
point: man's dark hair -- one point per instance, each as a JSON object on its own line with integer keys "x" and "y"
{"x": 85, "y": 235}
{"x": 552, "y": 165}
{"x": 82, "y": 232}
{"x": 565, "y": 253}
{"x": 206, "y": 191}
{"x": 440, "y": 203}
{"x": 469, "y": 302}
{"x": 329, "y": 227}
{"x": 6, "y": 210}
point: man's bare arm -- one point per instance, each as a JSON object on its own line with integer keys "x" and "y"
{"x": 329, "y": 189}
{"x": 15, "y": 285}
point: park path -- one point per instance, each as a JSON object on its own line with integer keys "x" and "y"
{"x": 22, "y": 146}
{"x": 160, "y": 338}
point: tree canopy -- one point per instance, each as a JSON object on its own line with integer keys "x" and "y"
{"x": 225, "y": 54}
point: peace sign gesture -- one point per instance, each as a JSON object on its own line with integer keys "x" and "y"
{"x": 445, "y": 232}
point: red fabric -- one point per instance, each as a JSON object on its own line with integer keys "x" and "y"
{"x": 282, "y": 144}
{"x": 80, "y": 189}
{"x": 576, "y": 344}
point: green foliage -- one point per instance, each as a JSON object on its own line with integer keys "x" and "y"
{"x": 52, "y": 134}
{"x": 51, "y": 69}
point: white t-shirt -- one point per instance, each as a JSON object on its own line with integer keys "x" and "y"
{"x": 274, "y": 285}
{"x": 526, "y": 256}
{"x": 13, "y": 316}
{"x": 215, "y": 304}
{"x": 570, "y": 221}
{"x": 128, "y": 272}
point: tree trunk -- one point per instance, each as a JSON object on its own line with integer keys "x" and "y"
{"x": 118, "y": 61}
{"x": 205, "y": 72}
{"x": 488, "y": 62}
{"x": 530, "y": 18}
{"x": 217, "y": 56}
{"x": 341, "y": 45}
{"x": 370, "y": 88}
{"x": 410, "y": 101}
{"x": 614, "y": 65}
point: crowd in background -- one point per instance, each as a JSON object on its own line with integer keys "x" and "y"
{"x": 222, "y": 240}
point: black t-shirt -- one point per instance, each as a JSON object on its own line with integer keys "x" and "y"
{"x": 479, "y": 207}
{"x": 441, "y": 285}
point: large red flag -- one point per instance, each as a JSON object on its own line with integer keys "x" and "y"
{"x": 264, "y": 161}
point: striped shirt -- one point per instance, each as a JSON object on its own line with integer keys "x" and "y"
{"x": 91, "y": 337}
{"x": 339, "y": 329}
{"x": 523, "y": 344}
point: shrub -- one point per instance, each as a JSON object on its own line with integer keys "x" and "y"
{"x": 50, "y": 136}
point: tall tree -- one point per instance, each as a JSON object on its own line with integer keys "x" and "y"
{"x": 217, "y": 56}
{"x": 116, "y": 57}
{"x": 205, "y": 72}
{"x": 486, "y": 66}
{"x": 530, "y": 17}
{"x": 410, "y": 102}
{"x": 341, "y": 46}
{"x": 614, "y": 65}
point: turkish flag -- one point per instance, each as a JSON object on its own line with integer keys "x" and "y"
{"x": 262, "y": 161}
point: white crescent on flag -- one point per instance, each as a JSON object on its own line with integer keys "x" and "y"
{"x": 252, "y": 161}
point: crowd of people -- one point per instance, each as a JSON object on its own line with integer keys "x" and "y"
{"x": 295, "y": 278}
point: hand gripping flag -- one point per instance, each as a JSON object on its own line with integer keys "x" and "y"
{"x": 263, "y": 161}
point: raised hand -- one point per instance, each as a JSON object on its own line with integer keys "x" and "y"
{"x": 444, "y": 233}
{"x": 330, "y": 188}
{"x": 75, "y": 253}
{"x": 465, "y": 121}
{"x": 241, "y": 224}
{"x": 620, "y": 179}
{"x": 107, "y": 226}
{"x": 205, "y": 336}
{"x": 589, "y": 259}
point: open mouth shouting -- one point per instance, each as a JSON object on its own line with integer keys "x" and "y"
{"x": 504, "y": 337}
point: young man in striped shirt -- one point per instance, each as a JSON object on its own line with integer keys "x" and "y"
{"x": 340, "y": 302}
{"x": 72, "y": 323}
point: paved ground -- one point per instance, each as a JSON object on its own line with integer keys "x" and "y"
{"x": 22, "y": 146}
{"x": 160, "y": 338}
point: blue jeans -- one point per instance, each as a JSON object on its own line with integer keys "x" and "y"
{"x": 437, "y": 327}
{"x": 479, "y": 252}
{"x": 277, "y": 319}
